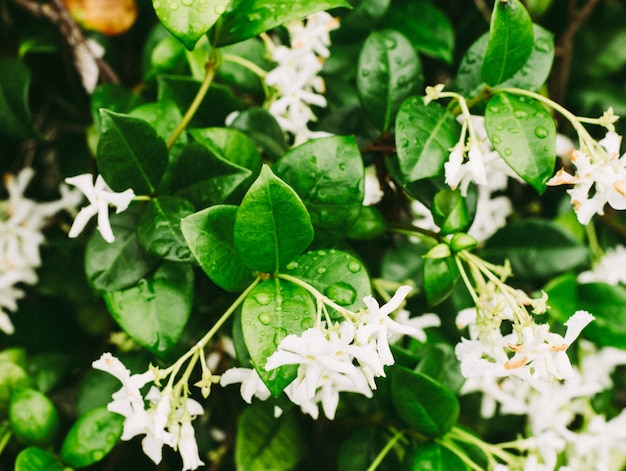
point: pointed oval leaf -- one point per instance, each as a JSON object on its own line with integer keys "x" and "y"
{"x": 209, "y": 234}
{"x": 440, "y": 276}
{"x": 388, "y": 72}
{"x": 155, "y": 310}
{"x": 273, "y": 310}
{"x": 130, "y": 153}
{"x": 272, "y": 225}
{"x": 37, "y": 459}
{"x": 510, "y": 41}
{"x": 188, "y": 20}
{"x": 158, "y": 230}
{"x": 248, "y": 18}
{"x": 424, "y": 136}
{"x": 327, "y": 174}
{"x": 524, "y": 134}
{"x": 450, "y": 211}
{"x": 264, "y": 130}
{"x": 15, "y": 117}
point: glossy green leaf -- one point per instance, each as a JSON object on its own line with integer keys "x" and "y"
{"x": 158, "y": 229}
{"x": 524, "y": 134}
{"x": 531, "y": 76}
{"x": 209, "y": 234}
{"x": 117, "y": 265}
{"x": 425, "y": 25}
{"x": 433, "y": 457}
{"x": 130, "y": 153}
{"x": 267, "y": 443}
{"x": 260, "y": 126}
{"x": 15, "y": 117}
{"x": 510, "y": 43}
{"x": 327, "y": 174}
{"x": 605, "y": 302}
{"x": 422, "y": 403}
{"x": 33, "y": 417}
{"x": 536, "y": 248}
{"x": 361, "y": 449}
{"x": 36, "y": 459}
{"x": 272, "y": 225}
{"x": 162, "y": 115}
{"x": 450, "y": 211}
{"x": 440, "y": 276}
{"x": 12, "y": 376}
{"x": 369, "y": 224}
{"x": 388, "y": 72}
{"x": 248, "y": 18}
{"x": 113, "y": 97}
{"x": 360, "y": 21}
{"x": 439, "y": 362}
{"x": 155, "y": 310}
{"x": 188, "y": 20}
{"x": 273, "y": 310}
{"x": 424, "y": 136}
{"x": 337, "y": 274}
{"x": 92, "y": 437}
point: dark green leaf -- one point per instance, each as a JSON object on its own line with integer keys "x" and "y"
{"x": 36, "y": 459}
{"x": 266, "y": 443}
{"x": 510, "y": 44}
{"x": 450, "y": 212}
{"x": 33, "y": 417}
{"x": 433, "y": 457}
{"x": 162, "y": 115}
{"x": 554, "y": 252}
{"x": 337, "y": 274}
{"x": 248, "y": 18}
{"x": 369, "y": 224}
{"x": 422, "y": 403}
{"x": 425, "y": 25}
{"x": 327, "y": 174}
{"x": 130, "y": 154}
{"x": 209, "y": 234}
{"x": 91, "y": 437}
{"x": 242, "y": 77}
{"x": 188, "y": 20}
{"x": 158, "y": 230}
{"x": 117, "y": 265}
{"x": 439, "y": 362}
{"x": 388, "y": 72}
{"x": 155, "y": 310}
{"x": 440, "y": 276}
{"x": 272, "y": 225}
{"x": 524, "y": 134}
{"x": 15, "y": 118}
{"x": 360, "y": 21}
{"x": 114, "y": 98}
{"x": 424, "y": 136}
{"x": 12, "y": 376}
{"x": 263, "y": 129}
{"x": 361, "y": 449}
{"x": 273, "y": 310}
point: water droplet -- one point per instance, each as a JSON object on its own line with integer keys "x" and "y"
{"x": 543, "y": 45}
{"x": 342, "y": 293}
{"x": 508, "y": 152}
{"x": 541, "y": 132}
{"x": 354, "y": 266}
{"x": 499, "y": 127}
{"x": 183, "y": 252}
{"x": 398, "y": 60}
{"x": 321, "y": 270}
{"x": 292, "y": 265}
{"x": 160, "y": 247}
{"x": 265, "y": 318}
{"x": 279, "y": 335}
{"x": 187, "y": 3}
{"x": 390, "y": 43}
{"x": 262, "y": 298}
{"x": 173, "y": 5}
{"x": 306, "y": 323}
{"x": 365, "y": 72}
{"x": 321, "y": 253}
{"x": 514, "y": 130}
{"x": 471, "y": 58}
{"x": 97, "y": 455}
{"x": 220, "y": 9}
{"x": 494, "y": 109}
{"x": 342, "y": 166}
{"x": 313, "y": 160}
{"x": 279, "y": 300}
{"x": 520, "y": 114}
{"x": 279, "y": 308}
{"x": 496, "y": 139}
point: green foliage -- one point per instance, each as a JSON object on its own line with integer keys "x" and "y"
{"x": 15, "y": 119}
{"x": 33, "y": 417}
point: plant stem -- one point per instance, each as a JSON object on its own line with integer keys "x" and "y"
{"x": 387, "y": 448}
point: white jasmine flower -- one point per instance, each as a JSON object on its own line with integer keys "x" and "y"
{"x": 610, "y": 269}
{"x": 251, "y": 383}
{"x": 100, "y": 196}
{"x": 373, "y": 191}
{"x": 419, "y": 323}
{"x": 188, "y": 448}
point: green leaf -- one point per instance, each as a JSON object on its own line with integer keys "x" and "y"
{"x": 424, "y": 136}
{"x": 188, "y": 20}
{"x": 267, "y": 443}
{"x": 209, "y": 234}
{"x": 450, "y": 211}
{"x": 272, "y": 225}
{"x": 163, "y": 116}
{"x": 360, "y": 21}
{"x": 524, "y": 134}
{"x": 36, "y": 459}
{"x": 337, "y": 274}
{"x": 15, "y": 118}
{"x": 605, "y": 302}
{"x": 531, "y": 76}
{"x": 422, "y": 403}
{"x": 155, "y": 310}
{"x": 388, "y": 72}
{"x": 33, "y": 417}
{"x": 130, "y": 154}
{"x": 273, "y": 310}
{"x": 361, "y": 449}
{"x": 536, "y": 248}
{"x": 440, "y": 276}
{"x": 113, "y": 97}
{"x": 12, "y": 376}
{"x": 248, "y": 18}
{"x": 439, "y": 362}
{"x": 327, "y": 174}
{"x": 260, "y": 126}
{"x": 158, "y": 230}
{"x": 91, "y": 437}
{"x": 433, "y": 457}
{"x": 510, "y": 44}
{"x": 117, "y": 265}
{"x": 369, "y": 224}
{"x": 425, "y": 25}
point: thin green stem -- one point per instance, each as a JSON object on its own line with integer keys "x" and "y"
{"x": 466, "y": 280}
{"x": 211, "y": 67}
{"x": 592, "y": 237}
{"x": 461, "y": 454}
{"x": 414, "y": 231}
{"x": 495, "y": 450}
{"x": 5, "y": 436}
{"x": 252, "y": 67}
{"x": 386, "y": 449}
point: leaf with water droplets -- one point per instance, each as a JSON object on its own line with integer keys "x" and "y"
{"x": 524, "y": 134}
{"x": 155, "y": 310}
{"x": 511, "y": 42}
{"x": 209, "y": 234}
{"x": 327, "y": 174}
{"x": 188, "y": 20}
{"x": 273, "y": 310}
{"x": 424, "y": 136}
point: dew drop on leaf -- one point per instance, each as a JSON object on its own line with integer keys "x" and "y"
{"x": 543, "y": 45}
{"x": 263, "y": 299}
{"x": 508, "y": 152}
{"x": 160, "y": 247}
{"x": 541, "y": 132}
{"x": 342, "y": 293}
{"x": 187, "y": 3}
{"x": 265, "y": 318}
{"x": 520, "y": 114}
{"x": 183, "y": 252}
{"x": 354, "y": 266}
{"x": 321, "y": 270}
{"x": 279, "y": 335}
{"x": 292, "y": 265}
